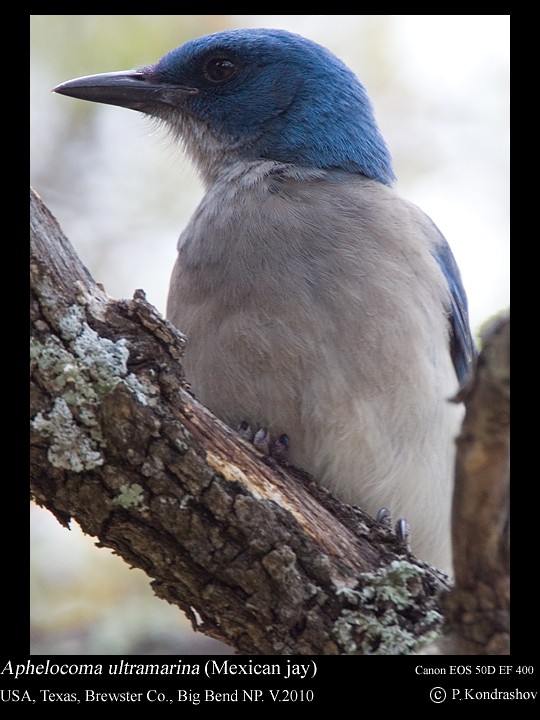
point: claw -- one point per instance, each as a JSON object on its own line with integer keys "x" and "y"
{"x": 262, "y": 440}
{"x": 401, "y": 529}
{"x": 279, "y": 448}
{"x": 245, "y": 431}
{"x": 384, "y": 517}
{"x": 403, "y": 532}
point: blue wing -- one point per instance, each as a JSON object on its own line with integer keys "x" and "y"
{"x": 462, "y": 348}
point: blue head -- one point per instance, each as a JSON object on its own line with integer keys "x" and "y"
{"x": 254, "y": 94}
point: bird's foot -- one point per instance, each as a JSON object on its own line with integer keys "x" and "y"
{"x": 402, "y": 528}
{"x": 277, "y": 448}
{"x": 403, "y": 534}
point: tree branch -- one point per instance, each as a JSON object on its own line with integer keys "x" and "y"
{"x": 478, "y": 609}
{"x": 255, "y": 553}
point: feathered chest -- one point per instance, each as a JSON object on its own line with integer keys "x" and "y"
{"x": 322, "y": 255}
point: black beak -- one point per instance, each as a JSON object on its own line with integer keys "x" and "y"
{"x": 134, "y": 89}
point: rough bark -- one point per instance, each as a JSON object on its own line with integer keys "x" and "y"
{"x": 255, "y": 553}
{"x": 478, "y": 608}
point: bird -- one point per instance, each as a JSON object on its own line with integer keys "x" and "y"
{"x": 322, "y": 310}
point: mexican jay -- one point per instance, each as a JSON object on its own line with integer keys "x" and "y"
{"x": 316, "y": 302}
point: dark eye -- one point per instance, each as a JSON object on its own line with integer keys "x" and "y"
{"x": 219, "y": 69}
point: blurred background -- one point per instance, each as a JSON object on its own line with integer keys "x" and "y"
{"x": 122, "y": 192}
